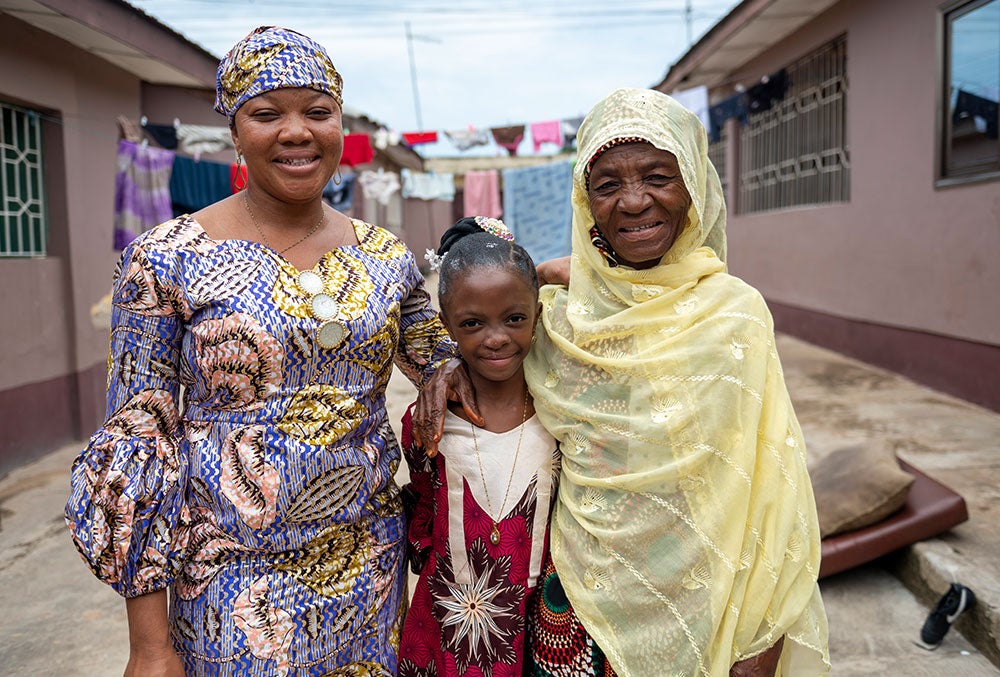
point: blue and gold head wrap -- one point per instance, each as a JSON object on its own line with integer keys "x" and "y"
{"x": 273, "y": 58}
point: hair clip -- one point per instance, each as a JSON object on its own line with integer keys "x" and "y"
{"x": 495, "y": 227}
{"x": 434, "y": 259}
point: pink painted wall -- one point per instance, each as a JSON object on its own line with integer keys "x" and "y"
{"x": 52, "y": 357}
{"x": 47, "y": 301}
{"x": 902, "y": 252}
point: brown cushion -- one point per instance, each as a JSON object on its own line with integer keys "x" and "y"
{"x": 858, "y": 486}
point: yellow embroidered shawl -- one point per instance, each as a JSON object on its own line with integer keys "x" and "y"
{"x": 685, "y": 530}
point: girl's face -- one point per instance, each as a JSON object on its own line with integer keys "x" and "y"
{"x": 491, "y": 314}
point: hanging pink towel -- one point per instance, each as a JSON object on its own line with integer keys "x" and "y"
{"x": 546, "y": 132}
{"x": 482, "y": 194}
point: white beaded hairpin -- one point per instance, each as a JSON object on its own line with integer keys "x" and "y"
{"x": 494, "y": 227}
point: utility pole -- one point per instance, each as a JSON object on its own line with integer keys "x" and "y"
{"x": 410, "y": 37}
{"x": 687, "y": 20}
{"x": 413, "y": 77}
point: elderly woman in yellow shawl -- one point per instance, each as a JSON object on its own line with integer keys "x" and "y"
{"x": 684, "y": 539}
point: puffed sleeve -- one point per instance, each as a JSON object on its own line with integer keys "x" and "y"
{"x": 424, "y": 343}
{"x": 125, "y": 503}
{"x": 419, "y": 493}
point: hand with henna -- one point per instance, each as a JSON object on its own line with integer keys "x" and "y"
{"x": 450, "y": 382}
{"x": 762, "y": 665}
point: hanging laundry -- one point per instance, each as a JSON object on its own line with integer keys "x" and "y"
{"x": 384, "y": 138}
{"x": 200, "y": 139}
{"x": 127, "y": 129}
{"x": 537, "y": 208}
{"x": 508, "y": 137}
{"x": 340, "y": 196}
{"x": 164, "y": 135}
{"x": 570, "y": 127}
{"x": 357, "y": 150}
{"x": 195, "y": 184}
{"x": 696, "y": 101}
{"x": 481, "y": 195}
{"x": 731, "y": 107}
{"x": 464, "y": 139}
{"x": 142, "y": 190}
{"x": 379, "y": 186}
{"x": 546, "y": 132}
{"x": 428, "y": 186}
{"x": 417, "y": 138}
{"x": 770, "y": 89}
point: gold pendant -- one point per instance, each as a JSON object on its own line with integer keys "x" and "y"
{"x": 495, "y": 534}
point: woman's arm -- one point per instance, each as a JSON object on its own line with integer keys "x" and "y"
{"x": 762, "y": 665}
{"x": 450, "y": 382}
{"x": 126, "y": 499}
{"x": 554, "y": 271}
{"x": 150, "y": 650}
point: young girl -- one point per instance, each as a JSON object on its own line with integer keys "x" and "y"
{"x": 480, "y": 520}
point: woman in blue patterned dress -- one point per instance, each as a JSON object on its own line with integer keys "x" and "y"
{"x": 263, "y": 497}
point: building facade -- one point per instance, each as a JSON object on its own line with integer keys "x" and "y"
{"x": 857, "y": 141}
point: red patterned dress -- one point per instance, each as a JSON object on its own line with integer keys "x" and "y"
{"x": 467, "y": 615}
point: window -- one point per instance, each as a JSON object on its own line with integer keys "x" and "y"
{"x": 796, "y": 152}
{"x": 717, "y": 155}
{"x": 971, "y": 90}
{"x": 22, "y": 213}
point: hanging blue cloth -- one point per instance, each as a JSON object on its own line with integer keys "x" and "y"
{"x": 537, "y": 208}
{"x": 196, "y": 184}
{"x": 732, "y": 107}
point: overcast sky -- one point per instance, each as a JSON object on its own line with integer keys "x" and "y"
{"x": 483, "y": 63}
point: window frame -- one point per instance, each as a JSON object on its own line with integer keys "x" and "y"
{"x": 943, "y": 177}
{"x": 35, "y": 178}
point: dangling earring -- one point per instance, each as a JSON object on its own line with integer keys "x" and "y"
{"x": 240, "y": 177}
{"x": 603, "y": 246}
{"x": 534, "y": 337}
{"x": 337, "y": 178}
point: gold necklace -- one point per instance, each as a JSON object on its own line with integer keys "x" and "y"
{"x": 495, "y": 533}
{"x": 322, "y": 220}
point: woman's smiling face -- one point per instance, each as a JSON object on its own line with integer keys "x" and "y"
{"x": 639, "y": 201}
{"x": 291, "y": 140}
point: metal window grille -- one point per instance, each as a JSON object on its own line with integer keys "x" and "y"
{"x": 22, "y": 212}
{"x": 717, "y": 155}
{"x": 796, "y": 153}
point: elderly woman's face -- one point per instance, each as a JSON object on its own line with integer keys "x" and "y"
{"x": 639, "y": 201}
{"x": 291, "y": 140}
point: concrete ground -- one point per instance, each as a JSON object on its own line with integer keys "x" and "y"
{"x": 58, "y": 620}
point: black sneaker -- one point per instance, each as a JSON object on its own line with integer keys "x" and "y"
{"x": 958, "y": 599}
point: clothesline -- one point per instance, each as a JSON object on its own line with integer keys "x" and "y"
{"x": 198, "y": 139}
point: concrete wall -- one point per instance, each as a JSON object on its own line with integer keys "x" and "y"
{"x": 901, "y": 254}
{"x": 48, "y": 337}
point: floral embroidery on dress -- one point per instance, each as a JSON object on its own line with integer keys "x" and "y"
{"x": 479, "y": 619}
